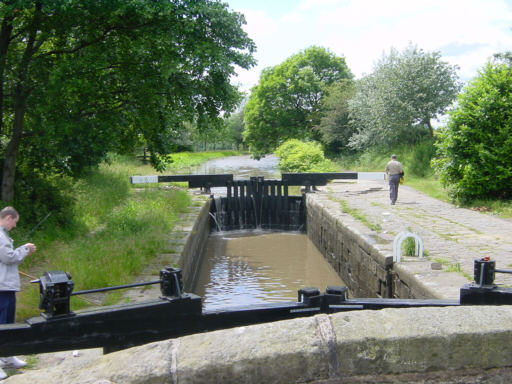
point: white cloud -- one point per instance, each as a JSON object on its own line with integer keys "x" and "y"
{"x": 260, "y": 25}
{"x": 293, "y": 18}
{"x": 311, "y": 4}
{"x": 466, "y": 32}
{"x": 362, "y": 30}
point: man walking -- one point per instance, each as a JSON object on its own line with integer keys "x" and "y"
{"x": 9, "y": 278}
{"x": 394, "y": 171}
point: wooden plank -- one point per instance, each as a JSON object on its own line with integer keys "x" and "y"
{"x": 229, "y": 205}
{"x": 236, "y": 203}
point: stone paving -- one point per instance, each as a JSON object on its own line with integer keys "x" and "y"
{"x": 451, "y": 235}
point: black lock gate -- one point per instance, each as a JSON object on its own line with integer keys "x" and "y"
{"x": 258, "y": 203}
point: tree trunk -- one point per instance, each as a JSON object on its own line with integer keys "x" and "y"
{"x": 5, "y": 37}
{"x": 20, "y": 102}
{"x": 431, "y": 130}
{"x": 9, "y": 167}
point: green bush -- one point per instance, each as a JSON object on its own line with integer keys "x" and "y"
{"x": 475, "y": 148}
{"x": 37, "y": 195}
{"x": 298, "y": 156}
{"x": 418, "y": 164}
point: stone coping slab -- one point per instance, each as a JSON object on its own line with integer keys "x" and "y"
{"x": 330, "y": 348}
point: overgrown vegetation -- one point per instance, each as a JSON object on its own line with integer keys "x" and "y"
{"x": 451, "y": 267}
{"x": 389, "y": 111}
{"x": 115, "y": 228}
{"x": 415, "y": 159}
{"x": 475, "y": 147}
{"x": 298, "y": 156}
{"x": 409, "y": 247}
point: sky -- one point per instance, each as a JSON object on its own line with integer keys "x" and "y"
{"x": 465, "y": 32}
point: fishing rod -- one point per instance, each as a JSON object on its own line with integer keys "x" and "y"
{"x": 37, "y": 226}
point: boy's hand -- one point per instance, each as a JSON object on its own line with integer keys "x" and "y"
{"x": 31, "y": 248}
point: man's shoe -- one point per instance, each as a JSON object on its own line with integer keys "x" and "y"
{"x": 12, "y": 362}
{"x": 3, "y": 375}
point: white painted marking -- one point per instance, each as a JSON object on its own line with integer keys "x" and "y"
{"x": 346, "y": 306}
{"x": 143, "y": 179}
{"x": 305, "y": 310}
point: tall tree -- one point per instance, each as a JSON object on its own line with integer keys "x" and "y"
{"x": 235, "y": 128}
{"x": 398, "y": 101}
{"x": 80, "y": 78}
{"x": 334, "y": 126}
{"x": 475, "y": 148}
{"x": 286, "y": 102}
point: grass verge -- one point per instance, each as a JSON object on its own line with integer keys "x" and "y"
{"x": 117, "y": 228}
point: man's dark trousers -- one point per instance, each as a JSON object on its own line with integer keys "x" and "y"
{"x": 394, "y": 181}
{"x": 7, "y": 307}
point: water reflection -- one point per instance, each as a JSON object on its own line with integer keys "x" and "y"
{"x": 242, "y": 167}
{"x": 255, "y": 267}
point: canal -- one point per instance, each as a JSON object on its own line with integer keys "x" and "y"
{"x": 254, "y": 266}
{"x": 242, "y": 167}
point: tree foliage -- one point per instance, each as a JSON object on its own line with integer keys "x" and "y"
{"x": 286, "y": 102}
{"x": 235, "y": 128}
{"x": 396, "y": 103}
{"x": 334, "y": 127}
{"x": 299, "y": 156}
{"x": 80, "y": 78}
{"x": 475, "y": 148}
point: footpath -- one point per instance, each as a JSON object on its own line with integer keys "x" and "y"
{"x": 452, "y": 236}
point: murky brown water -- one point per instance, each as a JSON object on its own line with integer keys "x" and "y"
{"x": 254, "y": 267}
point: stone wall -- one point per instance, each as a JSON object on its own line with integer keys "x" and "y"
{"x": 194, "y": 247}
{"x": 365, "y": 269}
{"x": 362, "y": 258}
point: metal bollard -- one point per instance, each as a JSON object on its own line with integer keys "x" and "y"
{"x": 484, "y": 271}
{"x": 307, "y": 295}
{"x": 171, "y": 282}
